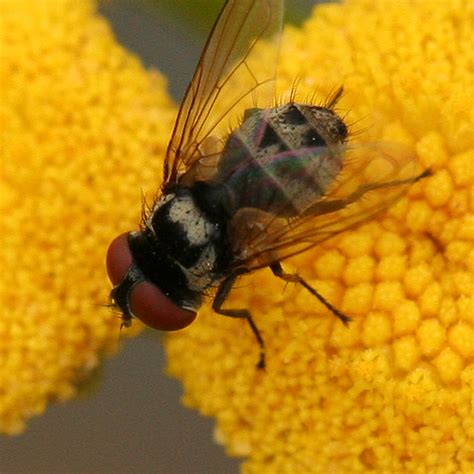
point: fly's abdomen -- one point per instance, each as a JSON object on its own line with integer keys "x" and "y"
{"x": 283, "y": 160}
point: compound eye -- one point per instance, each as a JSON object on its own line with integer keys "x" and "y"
{"x": 145, "y": 300}
{"x": 156, "y": 310}
{"x": 119, "y": 259}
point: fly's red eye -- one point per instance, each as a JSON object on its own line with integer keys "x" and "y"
{"x": 145, "y": 300}
{"x": 119, "y": 259}
{"x": 154, "y": 309}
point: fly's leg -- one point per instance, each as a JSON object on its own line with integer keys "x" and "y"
{"x": 221, "y": 295}
{"x": 278, "y": 271}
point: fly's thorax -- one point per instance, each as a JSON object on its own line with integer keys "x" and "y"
{"x": 180, "y": 248}
{"x": 283, "y": 159}
{"x": 179, "y": 223}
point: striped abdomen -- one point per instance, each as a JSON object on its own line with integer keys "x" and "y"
{"x": 282, "y": 160}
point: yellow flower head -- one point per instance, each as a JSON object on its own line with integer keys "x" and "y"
{"x": 393, "y": 392}
{"x": 81, "y": 124}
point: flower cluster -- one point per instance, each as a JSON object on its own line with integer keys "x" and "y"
{"x": 393, "y": 392}
{"x": 82, "y": 125}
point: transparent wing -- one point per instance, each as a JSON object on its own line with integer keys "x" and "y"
{"x": 372, "y": 178}
{"x": 224, "y": 83}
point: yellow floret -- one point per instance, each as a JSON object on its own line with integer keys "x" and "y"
{"x": 391, "y": 267}
{"x": 358, "y": 270}
{"x": 431, "y": 336}
{"x": 406, "y": 353}
{"x": 406, "y": 318}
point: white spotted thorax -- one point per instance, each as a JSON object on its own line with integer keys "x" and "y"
{"x": 281, "y": 182}
{"x": 195, "y": 225}
{"x": 197, "y": 234}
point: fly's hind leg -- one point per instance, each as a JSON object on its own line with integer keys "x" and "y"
{"x": 221, "y": 295}
{"x": 278, "y": 271}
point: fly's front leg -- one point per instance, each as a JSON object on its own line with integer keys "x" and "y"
{"x": 294, "y": 278}
{"x": 221, "y": 295}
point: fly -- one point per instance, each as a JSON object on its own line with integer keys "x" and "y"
{"x": 232, "y": 202}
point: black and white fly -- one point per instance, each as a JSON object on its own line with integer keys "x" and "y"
{"x": 235, "y": 201}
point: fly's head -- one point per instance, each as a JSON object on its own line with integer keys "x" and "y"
{"x": 133, "y": 292}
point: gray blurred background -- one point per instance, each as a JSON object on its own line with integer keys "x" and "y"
{"x": 133, "y": 421}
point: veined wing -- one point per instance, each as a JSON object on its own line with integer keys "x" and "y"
{"x": 224, "y": 83}
{"x": 372, "y": 178}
